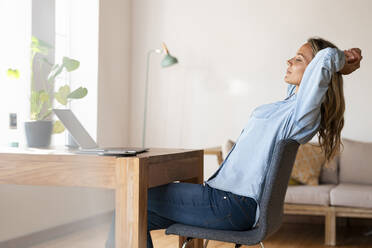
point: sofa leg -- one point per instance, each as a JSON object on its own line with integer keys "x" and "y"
{"x": 330, "y": 228}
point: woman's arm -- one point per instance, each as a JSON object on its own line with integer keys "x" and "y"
{"x": 314, "y": 85}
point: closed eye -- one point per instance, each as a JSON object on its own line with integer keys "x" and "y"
{"x": 299, "y": 57}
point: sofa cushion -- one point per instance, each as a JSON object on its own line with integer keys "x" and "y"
{"x": 352, "y": 195}
{"x": 308, "y": 164}
{"x": 356, "y": 162}
{"x": 307, "y": 194}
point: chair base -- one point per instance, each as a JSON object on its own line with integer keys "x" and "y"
{"x": 188, "y": 240}
{"x": 206, "y": 243}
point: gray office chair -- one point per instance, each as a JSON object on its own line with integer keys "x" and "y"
{"x": 271, "y": 204}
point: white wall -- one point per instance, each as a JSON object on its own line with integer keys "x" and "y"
{"x": 233, "y": 58}
{"x": 114, "y": 72}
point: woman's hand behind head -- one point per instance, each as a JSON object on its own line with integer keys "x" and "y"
{"x": 352, "y": 60}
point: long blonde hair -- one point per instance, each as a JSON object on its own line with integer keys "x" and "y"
{"x": 332, "y": 108}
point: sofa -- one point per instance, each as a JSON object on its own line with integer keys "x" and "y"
{"x": 343, "y": 189}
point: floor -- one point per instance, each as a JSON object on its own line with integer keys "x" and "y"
{"x": 290, "y": 235}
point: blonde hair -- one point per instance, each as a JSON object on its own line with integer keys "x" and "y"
{"x": 332, "y": 108}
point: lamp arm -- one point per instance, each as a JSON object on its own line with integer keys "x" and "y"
{"x": 146, "y": 94}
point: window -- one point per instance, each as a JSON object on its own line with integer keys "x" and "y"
{"x": 15, "y": 26}
{"x": 77, "y": 37}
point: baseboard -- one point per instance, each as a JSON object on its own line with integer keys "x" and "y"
{"x": 55, "y": 232}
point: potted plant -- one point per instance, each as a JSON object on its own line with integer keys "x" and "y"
{"x": 40, "y": 127}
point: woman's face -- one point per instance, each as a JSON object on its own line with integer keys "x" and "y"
{"x": 298, "y": 64}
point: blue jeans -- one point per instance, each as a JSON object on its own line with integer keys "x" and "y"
{"x": 197, "y": 205}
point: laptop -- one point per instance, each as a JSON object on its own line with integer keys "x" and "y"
{"x": 85, "y": 141}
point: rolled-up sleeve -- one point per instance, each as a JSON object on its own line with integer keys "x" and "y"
{"x": 314, "y": 85}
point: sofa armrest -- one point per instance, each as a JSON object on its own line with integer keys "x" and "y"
{"x": 217, "y": 151}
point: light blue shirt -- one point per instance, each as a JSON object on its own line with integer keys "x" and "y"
{"x": 296, "y": 117}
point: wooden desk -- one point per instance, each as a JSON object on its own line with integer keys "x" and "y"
{"x": 130, "y": 177}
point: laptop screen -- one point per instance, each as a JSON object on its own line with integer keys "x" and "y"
{"x": 73, "y": 125}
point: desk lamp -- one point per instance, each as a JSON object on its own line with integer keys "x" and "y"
{"x": 167, "y": 61}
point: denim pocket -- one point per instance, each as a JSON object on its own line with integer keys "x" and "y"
{"x": 220, "y": 215}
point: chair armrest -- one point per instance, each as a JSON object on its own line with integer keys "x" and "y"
{"x": 217, "y": 151}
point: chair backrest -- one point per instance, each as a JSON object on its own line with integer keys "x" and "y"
{"x": 275, "y": 187}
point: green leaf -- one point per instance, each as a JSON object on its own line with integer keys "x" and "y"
{"x": 78, "y": 93}
{"x": 43, "y": 97}
{"x": 39, "y": 46}
{"x": 45, "y": 44}
{"x": 34, "y": 44}
{"x": 58, "y": 127}
{"x": 12, "y": 73}
{"x": 70, "y": 64}
{"x": 46, "y": 114}
{"x": 36, "y": 103}
{"x": 37, "y": 49}
{"x": 34, "y": 40}
{"x": 61, "y": 95}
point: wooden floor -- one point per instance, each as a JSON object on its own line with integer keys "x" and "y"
{"x": 289, "y": 236}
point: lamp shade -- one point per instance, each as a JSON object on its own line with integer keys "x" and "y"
{"x": 168, "y": 60}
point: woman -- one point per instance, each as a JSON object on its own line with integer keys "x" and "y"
{"x": 229, "y": 199}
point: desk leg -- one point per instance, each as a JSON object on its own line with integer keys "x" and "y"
{"x": 131, "y": 203}
{"x": 197, "y": 243}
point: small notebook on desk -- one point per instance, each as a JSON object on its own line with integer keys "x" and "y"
{"x": 86, "y": 142}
